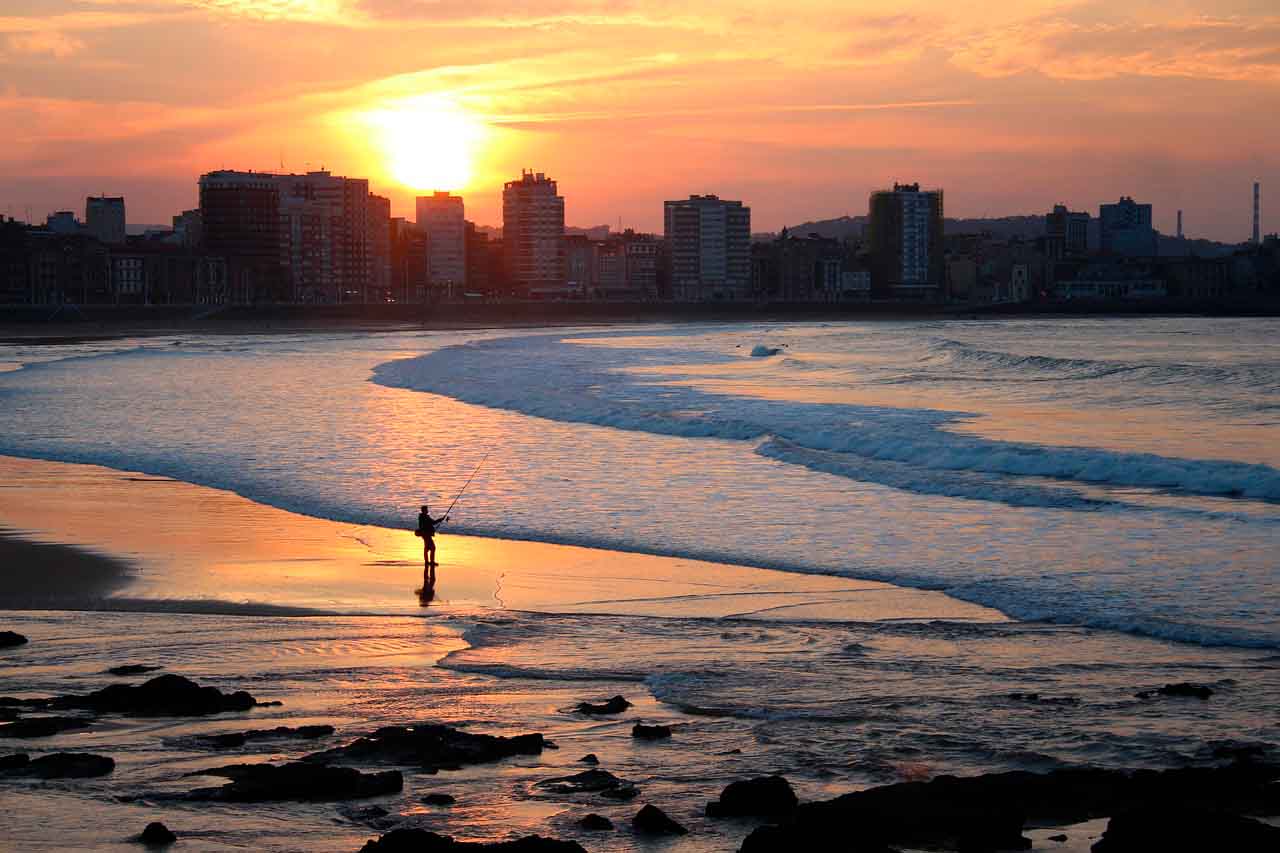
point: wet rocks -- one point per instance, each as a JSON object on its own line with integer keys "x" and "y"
{"x": 234, "y": 739}
{"x": 431, "y": 746}
{"x": 439, "y": 799}
{"x": 768, "y": 795}
{"x": 1185, "y": 830}
{"x": 595, "y": 823}
{"x": 422, "y": 841}
{"x": 41, "y": 726}
{"x": 652, "y": 820}
{"x": 308, "y": 782}
{"x": 132, "y": 669}
{"x": 616, "y": 705}
{"x": 162, "y": 696}
{"x": 1181, "y": 689}
{"x": 157, "y": 835}
{"x": 642, "y": 732}
{"x": 586, "y": 782}
{"x": 589, "y": 758}
{"x": 10, "y": 639}
{"x": 58, "y": 765}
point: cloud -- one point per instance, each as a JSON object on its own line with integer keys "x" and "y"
{"x": 56, "y": 44}
{"x": 1213, "y": 48}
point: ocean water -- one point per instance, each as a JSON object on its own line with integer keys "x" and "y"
{"x": 1113, "y": 485}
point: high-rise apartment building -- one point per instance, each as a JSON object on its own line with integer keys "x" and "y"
{"x": 710, "y": 244}
{"x": 1066, "y": 232}
{"x": 533, "y": 236}
{"x": 104, "y": 218}
{"x": 325, "y": 233}
{"x": 378, "y": 227}
{"x": 1125, "y": 229}
{"x": 441, "y": 216}
{"x": 240, "y": 218}
{"x": 904, "y": 236}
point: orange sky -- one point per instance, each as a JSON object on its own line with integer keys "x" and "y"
{"x": 798, "y": 108}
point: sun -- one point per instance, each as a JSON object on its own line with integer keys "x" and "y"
{"x": 429, "y": 143}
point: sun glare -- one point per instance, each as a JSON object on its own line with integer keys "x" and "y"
{"x": 429, "y": 143}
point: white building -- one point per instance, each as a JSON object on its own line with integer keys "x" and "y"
{"x": 441, "y": 216}
{"x": 710, "y": 243}
{"x": 533, "y": 236}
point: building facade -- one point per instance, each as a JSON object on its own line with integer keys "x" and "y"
{"x": 533, "y": 237}
{"x": 240, "y": 219}
{"x": 709, "y": 240}
{"x": 104, "y": 218}
{"x": 904, "y": 237}
{"x": 441, "y": 216}
{"x": 1125, "y": 229}
{"x": 1066, "y": 232}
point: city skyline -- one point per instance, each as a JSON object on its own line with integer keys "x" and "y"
{"x": 632, "y": 103}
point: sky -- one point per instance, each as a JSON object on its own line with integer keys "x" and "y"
{"x": 799, "y": 108}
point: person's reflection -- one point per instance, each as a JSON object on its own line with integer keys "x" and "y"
{"x": 427, "y": 594}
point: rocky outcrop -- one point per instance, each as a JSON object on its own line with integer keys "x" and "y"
{"x": 652, "y": 820}
{"x": 439, "y": 799}
{"x": 588, "y": 782}
{"x": 431, "y": 747}
{"x": 41, "y": 726}
{"x": 642, "y": 732}
{"x": 422, "y": 841}
{"x": 309, "y": 782}
{"x": 1181, "y": 689}
{"x": 595, "y": 823}
{"x": 58, "y": 765}
{"x": 616, "y": 705}
{"x": 163, "y": 696}
{"x": 768, "y": 795}
{"x": 9, "y": 640}
{"x": 132, "y": 669}
{"x": 234, "y": 739}
{"x": 157, "y": 835}
{"x": 1184, "y": 831}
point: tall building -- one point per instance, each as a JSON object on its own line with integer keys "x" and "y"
{"x": 441, "y": 217}
{"x": 1066, "y": 232}
{"x": 240, "y": 218}
{"x": 478, "y": 263}
{"x": 1257, "y": 213}
{"x": 1125, "y": 229}
{"x": 533, "y": 236}
{"x": 324, "y": 236}
{"x": 408, "y": 262}
{"x": 104, "y": 218}
{"x": 710, "y": 245}
{"x": 904, "y": 237}
{"x": 378, "y": 228}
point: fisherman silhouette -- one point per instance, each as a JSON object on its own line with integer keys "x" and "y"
{"x": 427, "y": 530}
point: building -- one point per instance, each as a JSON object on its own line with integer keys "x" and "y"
{"x": 799, "y": 269}
{"x": 1125, "y": 229}
{"x": 408, "y": 247}
{"x": 533, "y": 236}
{"x": 441, "y": 217}
{"x": 709, "y": 240}
{"x": 104, "y": 218}
{"x": 1066, "y": 232}
{"x": 580, "y": 255}
{"x": 325, "y": 236}
{"x": 378, "y": 227}
{"x": 63, "y": 222}
{"x": 187, "y": 229}
{"x": 479, "y": 277}
{"x": 904, "y": 238}
{"x": 241, "y": 222}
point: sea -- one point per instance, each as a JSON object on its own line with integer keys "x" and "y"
{"x": 1111, "y": 485}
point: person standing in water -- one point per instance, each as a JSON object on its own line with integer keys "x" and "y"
{"x": 427, "y": 530}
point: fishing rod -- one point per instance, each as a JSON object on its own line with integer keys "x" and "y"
{"x": 468, "y": 483}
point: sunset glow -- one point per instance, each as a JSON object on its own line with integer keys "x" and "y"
{"x": 427, "y": 143}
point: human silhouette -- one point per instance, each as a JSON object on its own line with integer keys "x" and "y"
{"x": 427, "y": 530}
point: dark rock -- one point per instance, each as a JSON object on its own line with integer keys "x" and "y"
{"x": 988, "y": 812}
{"x": 1036, "y": 698}
{"x": 585, "y": 782}
{"x": 616, "y": 705}
{"x": 595, "y": 822}
{"x": 41, "y": 726}
{"x": 132, "y": 669}
{"x": 768, "y": 795}
{"x": 643, "y": 732}
{"x": 1193, "y": 691}
{"x": 439, "y": 799}
{"x": 7, "y": 714}
{"x": 431, "y": 746}
{"x": 621, "y": 793}
{"x": 589, "y": 758}
{"x": 69, "y": 765}
{"x": 234, "y": 739}
{"x": 157, "y": 834}
{"x": 422, "y": 841}
{"x": 310, "y": 782}
{"x": 1186, "y": 830}
{"x": 162, "y": 696}
{"x": 15, "y": 761}
{"x": 1061, "y": 839}
{"x": 8, "y": 639}
{"x": 652, "y": 820}
{"x": 374, "y": 816}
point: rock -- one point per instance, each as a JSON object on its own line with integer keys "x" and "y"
{"x": 308, "y": 782}
{"x": 422, "y": 841}
{"x": 234, "y": 739}
{"x": 439, "y": 799}
{"x": 369, "y": 815}
{"x": 643, "y": 732}
{"x": 589, "y": 758}
{"x": 622, "y": 793}
{"x": 8, "y": 640}
{"x": 1193, "y": 691}
{"x": 431, "y": 746}
{"x": 1186, "y": 830}
{"x": 15, "y": 761}
{"x": 41, "y": 726}
{"x": 768, "y": 795}
{"x": 132, "y": 669}
{"x": 162, "y": 696}
{"x": 652, "y": 820}
{"x": 69, "y": 765}
{"x": 989, "y": 811}
{"x": 616, "y": 705}
{"x": 595, "y": 822}
{"x": 588, "y": 781}
{"x": 157, "y": 835}
{"x": 1061, "y": 839}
